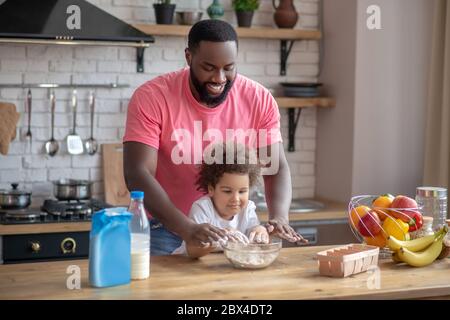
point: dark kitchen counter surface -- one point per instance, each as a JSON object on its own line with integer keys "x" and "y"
{"x": 333, "y": 211}
{"x": 294, "y": 275}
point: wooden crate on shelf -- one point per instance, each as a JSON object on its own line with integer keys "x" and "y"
{"x": 346, "y": 260}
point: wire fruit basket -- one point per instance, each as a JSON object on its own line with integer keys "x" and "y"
{"x": 372, "y": 224}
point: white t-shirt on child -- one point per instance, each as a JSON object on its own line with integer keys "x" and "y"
{"x": 203, "y": 211}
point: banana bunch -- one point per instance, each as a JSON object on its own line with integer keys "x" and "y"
{"x": 418, "y": 252}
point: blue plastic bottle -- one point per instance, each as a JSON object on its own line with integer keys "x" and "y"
{"x": 110, "y": 248}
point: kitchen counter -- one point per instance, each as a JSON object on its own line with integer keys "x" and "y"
{"x": 333, "y": 211}
{"x": 294, "y": 275}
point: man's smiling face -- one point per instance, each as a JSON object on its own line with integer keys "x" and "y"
{"x": 212, "y": 70}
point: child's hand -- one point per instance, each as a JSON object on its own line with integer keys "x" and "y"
{"x": 236, "y": 236}
{"x": 259, "y": 234}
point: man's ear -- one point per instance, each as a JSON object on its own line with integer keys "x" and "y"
{"x": 188, "y": 56}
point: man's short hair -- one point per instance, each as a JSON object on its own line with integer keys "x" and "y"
{"x": 211, "y": 30}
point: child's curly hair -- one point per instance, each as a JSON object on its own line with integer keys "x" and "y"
{"x": 230, "y": 158}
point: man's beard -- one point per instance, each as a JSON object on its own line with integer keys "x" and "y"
{"x": 205, "y": 97}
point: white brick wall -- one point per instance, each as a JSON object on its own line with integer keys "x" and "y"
{"x": 258, "y": 59}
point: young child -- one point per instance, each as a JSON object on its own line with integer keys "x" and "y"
{"x": 226, "y": 203}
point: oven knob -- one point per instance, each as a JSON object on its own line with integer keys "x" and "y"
{"x": 35, "y": 246}
{"x": 68, "y": 245}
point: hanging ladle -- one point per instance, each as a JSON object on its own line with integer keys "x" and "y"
{"x": 52, "y": 146}
{"x": 91, "y": 143}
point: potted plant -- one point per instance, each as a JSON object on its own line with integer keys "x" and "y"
{"x": 164, "y": 11}
{"x": 244, "y": 11}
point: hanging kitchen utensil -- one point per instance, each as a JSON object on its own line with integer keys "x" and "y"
{"x": 28, "y": 135}
{"x": 52, "y": 146}
{"x": 74, "y": 143}
{"x": 91, "y": 143}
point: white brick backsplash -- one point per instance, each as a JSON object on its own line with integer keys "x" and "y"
{"x": 98, "y": 78}
{"x": 303, "y": 182}
{"x": 144, "y": 15}
{"x": 304, "y": 57}
{"x": 250, "y": 70}
{"x": 8, "y": 51}
{"x": 41, "y": 77}
{"x": 262, "y": 56}
{"x": 134, "y": 3}
{"x": 307, "y": 21}
{"x": 308, "y": 144}
{"x": 42, "y": 189}
{"x": 10, "y": 162}
{"x": 313, "y": 45}
{"x": 306, "y": 169}
{"x": 306, "y": 132}
{"x": 8, "y": 176}
{"x": 10, "y": 77}
{"x": 95, "y": 174}
{"x": 116, "y": 120}
{"x": 303, "y": 192}
{"x": 308, "y": 8}
{"x": 24, "y": 65}
{"x": 257, "y": 59}
{"x": 55, "y": 174}
{"x": 94, "y": 53}
{"x": 86, "y": 161}
{"x": 49, "y": 52}
{"x": 107, "y": 106}
{"x": 106, "y": 134}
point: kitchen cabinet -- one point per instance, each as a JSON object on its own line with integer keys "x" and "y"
{"x": 294, "y": 275}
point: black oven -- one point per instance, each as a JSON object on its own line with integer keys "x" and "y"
{"x": 19, "y": 248}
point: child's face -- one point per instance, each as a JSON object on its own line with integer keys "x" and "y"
{"x": 230, "y": 195}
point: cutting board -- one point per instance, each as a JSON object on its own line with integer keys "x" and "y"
{"x": 116, "y": 192}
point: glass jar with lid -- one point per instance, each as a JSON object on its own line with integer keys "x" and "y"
{"x": 426, "y": 230}
{"x": 432, "y": 202}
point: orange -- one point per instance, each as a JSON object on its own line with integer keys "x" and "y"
{"x": 383, "y": 201}
{"x": 379, "y": 240}
{"x": 356, "y": 214}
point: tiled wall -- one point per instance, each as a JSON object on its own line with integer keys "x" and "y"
{"x": 258, "y": 59}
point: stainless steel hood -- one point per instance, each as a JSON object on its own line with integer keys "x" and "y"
{"x": 68, "y": 22}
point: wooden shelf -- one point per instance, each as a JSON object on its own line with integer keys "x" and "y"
{"x": 291, "y": 102}
{"x": 254, "y": 32}
{"x": 295, "y": 106}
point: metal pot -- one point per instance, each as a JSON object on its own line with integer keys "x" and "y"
{"x": 70, "y": 189}
{"x": 14, "y": 198}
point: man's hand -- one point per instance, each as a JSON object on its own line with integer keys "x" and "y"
{"x": 284, "y": 231}
{"x": 200, "y": 234}
{"x": 259, "y": 234}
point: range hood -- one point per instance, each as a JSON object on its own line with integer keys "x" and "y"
{"x": 67, "y": 22}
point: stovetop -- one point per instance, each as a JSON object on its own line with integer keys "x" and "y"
{"x": 54, "y": 211}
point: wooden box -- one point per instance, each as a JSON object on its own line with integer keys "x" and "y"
{"x": 347, "y": 260}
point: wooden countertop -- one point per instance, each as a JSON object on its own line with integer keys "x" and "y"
{"x": 333, "y": 210}
{"x": 294, "y": 275}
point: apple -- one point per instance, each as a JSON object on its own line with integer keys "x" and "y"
{"x": 404, "y": 202}
{"x": 370, "y": 224}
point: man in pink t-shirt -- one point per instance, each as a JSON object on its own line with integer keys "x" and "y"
{"x": 174, "y": 117}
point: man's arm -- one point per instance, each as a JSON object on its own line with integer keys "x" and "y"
{"x": 139, "y": 164}
{"x": 278, "y": 190}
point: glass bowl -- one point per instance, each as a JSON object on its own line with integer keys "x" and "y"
{"x": 252, "y": 256}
